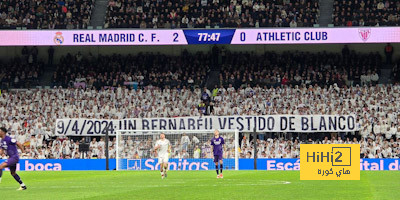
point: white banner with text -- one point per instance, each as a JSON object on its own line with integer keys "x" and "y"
{"x": 264, "y": 123}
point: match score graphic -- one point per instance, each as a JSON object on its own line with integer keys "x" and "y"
{"x": 329, "y": 162}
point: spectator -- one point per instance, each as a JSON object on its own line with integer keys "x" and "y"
{"x": 50, "y": 52}
{"x": 389, "y": 52}
{"x": 185, "y": 142}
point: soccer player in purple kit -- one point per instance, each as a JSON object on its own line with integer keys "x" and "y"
{"x": 9, "y": 145}
{"x": 217, "y": 143}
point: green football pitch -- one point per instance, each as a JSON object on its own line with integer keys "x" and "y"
{"x": 196, "y": 185}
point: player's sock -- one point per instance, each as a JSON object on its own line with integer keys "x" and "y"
{"x": 216, "y": 168}
{"x": 221, "y": 167}
{"x": 18, "y": 179}
{"x": 1, "y": 174}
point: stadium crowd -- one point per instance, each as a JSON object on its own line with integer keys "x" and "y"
{"x": 211, "y": 13}
{"x": 366, "y": 13}
{"x": 296, "y": 68}
{"x": 22, "y": 72}
{"x": 187, "y": 70}
{"x": 190, "y": 70}
{"x": 45, "y": 14}
{"x": 117, "y": 87}
{"x": 30, "y": 116}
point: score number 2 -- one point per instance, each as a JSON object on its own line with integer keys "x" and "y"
{"x": 176, "y": 37}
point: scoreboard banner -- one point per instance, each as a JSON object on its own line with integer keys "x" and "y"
{"x": 264, "y": 123}
{"x": 199, "y": 36}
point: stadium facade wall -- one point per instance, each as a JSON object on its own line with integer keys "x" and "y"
{"x": 187, "y": 164}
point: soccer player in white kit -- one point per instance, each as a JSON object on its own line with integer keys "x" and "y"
{"x": 163, "y": 148}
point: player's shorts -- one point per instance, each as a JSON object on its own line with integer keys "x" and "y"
{"x": 163, "y": 159}
{"x": 12, "y": 163}
{"x": 217, "y": 158}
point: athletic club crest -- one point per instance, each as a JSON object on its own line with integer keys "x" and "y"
{"x": 58, "y": 39}
{"x": 364, "y": 34}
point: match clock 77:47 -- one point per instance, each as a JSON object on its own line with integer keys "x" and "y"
{"x": 209, "y": 36}
{"x": 206, "y": 37}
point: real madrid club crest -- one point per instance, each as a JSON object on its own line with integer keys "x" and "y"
{"x": 58, "y": 39}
